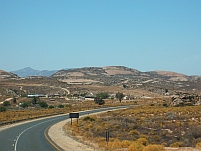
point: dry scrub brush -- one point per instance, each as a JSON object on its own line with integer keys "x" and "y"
{"x": 138, "y": 128}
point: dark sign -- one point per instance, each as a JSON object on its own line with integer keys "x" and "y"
{"x": 73, "y": 115}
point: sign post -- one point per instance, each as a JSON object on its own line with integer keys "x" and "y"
{"x": 74, "y": 115}
{"x": 107, "y": 136}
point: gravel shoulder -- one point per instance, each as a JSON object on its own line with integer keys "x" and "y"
{"x": 67, "y": 143}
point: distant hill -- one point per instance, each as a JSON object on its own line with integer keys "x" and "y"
{"x": 128, "y": 77}
{"x": 26, "y": 72}
{"x": 115, "y": 71}
{"x": 114, "y": 76}
{"x": 7, "y": 75}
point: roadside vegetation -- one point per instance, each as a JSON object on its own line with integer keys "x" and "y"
{"x": 142, "y": 128}
{"x": 31, "y": 108}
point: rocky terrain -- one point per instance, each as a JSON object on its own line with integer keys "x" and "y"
{"x": 177, "y": 88}
{"x": 129, "y": 78}
{"x": 111, "y": 79}
{"x": 7, "y": 75}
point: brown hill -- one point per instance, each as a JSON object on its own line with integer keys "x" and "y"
{"x": 128, "y": 77}
{"x": 7, "y": 75}
{"x": 170, "y": 74}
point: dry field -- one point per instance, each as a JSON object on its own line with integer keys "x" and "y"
{"x": 137, "y": 128}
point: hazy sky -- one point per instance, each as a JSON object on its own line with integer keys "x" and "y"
{"x": 142, "y": 34}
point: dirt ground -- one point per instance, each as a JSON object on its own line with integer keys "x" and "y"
{"x": 67, "y": 143}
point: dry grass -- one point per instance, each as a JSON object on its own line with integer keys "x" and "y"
{"x": 142, "y": 126}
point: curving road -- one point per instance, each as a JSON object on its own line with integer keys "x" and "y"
{"x": 30, "y": 136}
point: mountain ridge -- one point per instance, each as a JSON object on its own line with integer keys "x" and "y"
{"x": 114, "y": 76}
{"x": 108, "y": 70}
{"x": 28, "y": 71}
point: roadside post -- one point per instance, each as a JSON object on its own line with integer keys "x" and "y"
{"x": 107, "y": 136}
{"x": 74, "y": 115}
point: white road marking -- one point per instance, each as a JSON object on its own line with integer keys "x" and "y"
{"x": 16, "y": 141}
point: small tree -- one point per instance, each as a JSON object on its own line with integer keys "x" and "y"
{"x": 2, "y": 109}
{"x": 51, "y": 107}
{"x": 43, "y": 104}
{"x": 14, "y": 100}
{"x": 103, "y": 95}
{"x": 60, "y": 106}
{"x": 6, "y": 103}
{"x": 119, "y": 96}
{"x": 124, "y": 86}
{"x": 25, "y": 104}
{"x": 34, "y": 100}
{"x": 99, "y": 100}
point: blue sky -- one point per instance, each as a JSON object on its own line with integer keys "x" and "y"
{"x": 145, "y": 35}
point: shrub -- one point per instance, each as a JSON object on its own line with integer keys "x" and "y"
{"x": 98, "y": 100}
{"x": 177, "y": 144}
{"x": 198, "y": 145}
{"x": 157, "y": 138}
{"x": 143, "y": 141}
{"x": 43, "y": 104}
{"x": 103, "y": 95}
{"x": 23, "y": 95}
{"x": 154, "y": 148}
{"x": 133, "y": 132}
{"x": 6, "y": 103}
{"x": 116, "y": 144}
{"x": 135, "y": 147}
{"x": 2, "y": 109}
{"x": 24, "y": 105}
{"x": 196, "y": 131}
{"x": 125, "y": 143}
{"x": 14, "y": 100}
{"x": 60, "y": 106}
{"x": 165, "y": 104}
{"x": 88, "y": 119}
{"x": 68, "y": 105}
{"x": 51, "y": 107}
{"x": 143, "y": 136}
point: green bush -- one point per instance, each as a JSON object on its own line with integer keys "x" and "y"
{"x": 2, "y": 109}
{"x": 23, "y": 95}
{"x": 165, "y": 105}
{"x": 6, "y": 103}
{"x": 99, "y": 100}
{"x": 60, "y": 106}
{"x": 24, "y": 105}
{"x": 103, "y": 95}
{"x": 51, "y": 107}
{"x": 14, "y": 100}
{"x": 43, "y": 104}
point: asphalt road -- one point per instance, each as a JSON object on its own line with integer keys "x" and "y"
{"x": 30, "y": 136}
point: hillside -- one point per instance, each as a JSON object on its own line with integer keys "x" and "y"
{"x": 129, "y": 78}
{"x": 111, "y": 79}
{"x": 7, "y": 75}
